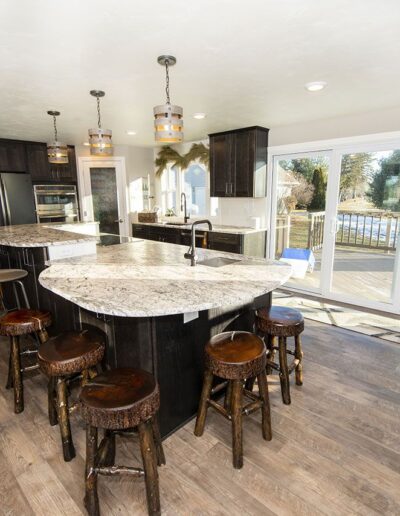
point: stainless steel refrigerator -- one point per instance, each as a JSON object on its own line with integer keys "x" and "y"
{"x": 16, "y": 199}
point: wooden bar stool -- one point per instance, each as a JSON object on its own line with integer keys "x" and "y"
{"x": 14, "y": 325}
{"x": 235, "y": 356}
{"x": 69, "y": 356}
{"x": 282, "y": 322}
{"x": 119, "y": 400}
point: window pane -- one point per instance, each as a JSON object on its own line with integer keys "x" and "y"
{"x": 195, "y": 190}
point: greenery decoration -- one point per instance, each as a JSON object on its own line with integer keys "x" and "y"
{"x": 198, "y": 152}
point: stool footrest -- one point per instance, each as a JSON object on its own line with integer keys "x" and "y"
{"x": 252, "y": 407}
{"x": 219, "y": 387}
{"x": 29, "y": 352}
{"x": 293, "y": 365}
{"x": 274, "y": 365}
{"x": 119, "y": 470}
{"x": 29, "y": 368}
{"x": 219, "y": 408}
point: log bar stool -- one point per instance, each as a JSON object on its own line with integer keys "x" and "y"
{"x": 62, "y": 358}
{"x": 13, "y": 325}
{"x": 118, "y": 400}
{"x": 235, "y": 356}
{"x": 282, "y": 322}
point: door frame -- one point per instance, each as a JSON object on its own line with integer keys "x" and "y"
{"x": 86, "y": 206}
{"x": 337, "y": 147}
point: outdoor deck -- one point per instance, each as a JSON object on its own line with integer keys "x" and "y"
{"x": 360, "y": 273}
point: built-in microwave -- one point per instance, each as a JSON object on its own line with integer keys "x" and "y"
{"x": 56, "y": 203}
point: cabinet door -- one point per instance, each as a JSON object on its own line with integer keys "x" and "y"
{"x": 67, "y": 173}
{"x": 222, "y": 155}
{"x": 38, "y": 163}
{"x": 244, "y": 163}
{"x": 227, "y": 242}
{"x": 12, "y": 156}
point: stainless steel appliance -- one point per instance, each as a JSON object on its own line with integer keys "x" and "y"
{"x": 16, "y": 199}
{"x": 56, "y": 203}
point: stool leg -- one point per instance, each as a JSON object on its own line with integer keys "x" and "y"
{"x": 298, "y": 353}
{"x": 91, "y": 500}
{"x": 51, "y": 400}
{"x": 16, "y": 296}
{"x": 106, "y": 450}
{"x": 228, "y": 397}
{"x": 250, "y": 384}
{"x": 22, "y": 287}
{"x": 157, "y": 441}
{"x": 283, "y": 371}
{"x": 237, "y": 441}
{"x": 265, "y": 409}
{"x": 10, "y": 382}
{"x": 150, "y": 468}
{"x": 17, "y": 376}
{"x": 63, "y": 420}
{"x": 271, "y": 355}
{"x": 203, "y": 406}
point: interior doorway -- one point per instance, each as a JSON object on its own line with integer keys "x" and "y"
{"x": 104, "y": 194}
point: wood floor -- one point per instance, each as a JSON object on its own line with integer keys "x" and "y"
{"x": 335, "y": 450}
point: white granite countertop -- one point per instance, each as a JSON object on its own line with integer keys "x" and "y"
{"x": 235, "y": 230}
{"x": 145, "y": 278}
{"x": 42, "y": 235}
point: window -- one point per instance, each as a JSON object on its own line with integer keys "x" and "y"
{"x": 194, "y": 182}
{"x": 194, "y": 186}
{"x": 169, "y": 190}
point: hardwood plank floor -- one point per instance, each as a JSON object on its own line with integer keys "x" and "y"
{"x": 335, "y": 450}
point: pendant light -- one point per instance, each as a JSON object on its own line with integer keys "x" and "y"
{"x": 57, "y": 152}
{"x": 100, "y": 139}
{"x": 168, "y": 121}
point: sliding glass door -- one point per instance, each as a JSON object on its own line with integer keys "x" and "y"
{"x": 336, "y": 218}
{"x": 300, "y": 184}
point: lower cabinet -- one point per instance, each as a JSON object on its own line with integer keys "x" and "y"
{"x": 250, "y": 244}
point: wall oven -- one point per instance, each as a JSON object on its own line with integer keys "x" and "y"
{"x": 56, "y": 203}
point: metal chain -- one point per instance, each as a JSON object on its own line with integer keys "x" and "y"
{"x": 167, "y": 81}
{"x": 55, "y": 127}
{"x": 98, "y": 113}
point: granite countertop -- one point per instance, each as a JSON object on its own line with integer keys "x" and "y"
{"x": 235, "y": 230}
{"x": 145, "y": 278}
{"x": 42, "y": 235}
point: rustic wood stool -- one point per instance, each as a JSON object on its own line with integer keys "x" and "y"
{"x": 116, "y": 401}
{"x": 235, "y": 356}
{"x": 282, "y": 322}
{"x": 14, "y": 276}
{"x": 65, "y": 358}
{"x": 13, "y": 325}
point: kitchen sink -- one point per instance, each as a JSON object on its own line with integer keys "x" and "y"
{"x": 218, "y": 261}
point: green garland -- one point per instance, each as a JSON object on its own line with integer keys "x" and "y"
{"x": 198, "y": 152}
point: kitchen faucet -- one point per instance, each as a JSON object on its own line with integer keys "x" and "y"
{"x": 183, "y": 207}
{"x": 191, "y": 254}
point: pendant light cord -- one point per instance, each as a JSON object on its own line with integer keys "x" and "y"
{"x": 167, "y": 81}
{"x": 55, "y": 127}
{"x": 98, "y": 113}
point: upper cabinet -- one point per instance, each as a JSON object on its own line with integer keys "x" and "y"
{"x": 31, "y": 158}
{"x": 238, "y": 163}
{"x": 42, "y": 171}
{"x": 12, "y": 156}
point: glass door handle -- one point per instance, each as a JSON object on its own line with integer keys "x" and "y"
{"x": 119, "y": 220}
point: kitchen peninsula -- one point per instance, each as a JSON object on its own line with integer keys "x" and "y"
{"x": 156, "y": 310}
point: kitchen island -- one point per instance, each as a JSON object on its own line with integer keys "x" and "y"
{"x": 158, "y": 312}
{"x": 155, "y": 310}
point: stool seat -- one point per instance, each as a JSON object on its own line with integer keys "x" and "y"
{"x": 120, "y": 398}
{"x": 71, "y": 352}
{"x": 22, "y": 322}
{"x": 235, "y": 355}
{"x": 280, "y": 321}
{"x": 7, "y": 275}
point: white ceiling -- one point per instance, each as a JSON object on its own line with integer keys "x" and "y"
{"x": 243, "y": 63}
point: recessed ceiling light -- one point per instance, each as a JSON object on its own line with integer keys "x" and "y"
{"x": 86, "y": 144}
{"x": 131, "y": 133}
{"x": 315, "y": 86}
{"x": 199, "y": 116}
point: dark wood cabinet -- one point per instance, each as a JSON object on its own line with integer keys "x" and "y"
{"x": 250, "y": 244}
{"x": 42, "y": 171}
{"x": 238, "y": 162}
{"x": 12, "y": 156}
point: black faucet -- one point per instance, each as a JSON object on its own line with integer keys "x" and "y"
{"x": 191, "y": 254}
{"x": 183, "y": 207}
